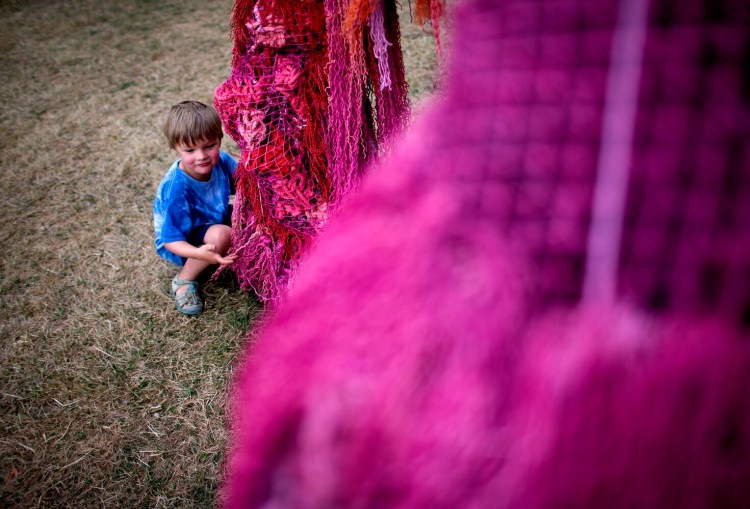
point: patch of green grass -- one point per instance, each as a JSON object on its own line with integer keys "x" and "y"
{"x": 125, "y": 85}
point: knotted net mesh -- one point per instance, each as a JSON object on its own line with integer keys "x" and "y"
{"x": 527, "y": 143}
{"x": 542, "y": 299}
{"x": 316, "y": 91}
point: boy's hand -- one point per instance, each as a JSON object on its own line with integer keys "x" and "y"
{"x": 208, "y": 254}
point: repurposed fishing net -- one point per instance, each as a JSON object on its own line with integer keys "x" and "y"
{"x": 542, "y": 300}
{"x": 618, "y": 149}
{"x": 317, "y": 89}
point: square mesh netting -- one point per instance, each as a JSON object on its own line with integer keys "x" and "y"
{"x": 531, "y": 99}
{"x": 542, "y": 299}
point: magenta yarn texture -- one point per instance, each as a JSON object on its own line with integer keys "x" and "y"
{"x": 436, "y": 351}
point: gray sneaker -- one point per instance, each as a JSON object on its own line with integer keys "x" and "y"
{"x": 187, "y": 302}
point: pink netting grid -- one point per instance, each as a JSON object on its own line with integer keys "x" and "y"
{"x": 525, "y": 145}
{"x": 460, "y": 338}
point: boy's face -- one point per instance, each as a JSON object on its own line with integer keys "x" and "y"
{"x": 198, "y": 160}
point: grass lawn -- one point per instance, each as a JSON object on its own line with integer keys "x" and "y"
{"x": 109, "y": 397}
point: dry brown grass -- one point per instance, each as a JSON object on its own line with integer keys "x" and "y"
{"x": 108, "y": 397}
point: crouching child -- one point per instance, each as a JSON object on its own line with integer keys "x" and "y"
{"x": 192, "y": 215}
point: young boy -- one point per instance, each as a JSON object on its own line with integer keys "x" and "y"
{"x": 191, "y": 208}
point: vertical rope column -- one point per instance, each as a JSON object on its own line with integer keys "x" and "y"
{"x": 621, "y": 107}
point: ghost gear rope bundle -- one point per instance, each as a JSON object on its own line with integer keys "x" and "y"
{"x": 316, "y": 91}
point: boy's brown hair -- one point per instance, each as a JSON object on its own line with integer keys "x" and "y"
{"x": 189, "y": 122}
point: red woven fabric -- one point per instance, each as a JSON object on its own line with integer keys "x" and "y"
{"x": 298, "y": 105}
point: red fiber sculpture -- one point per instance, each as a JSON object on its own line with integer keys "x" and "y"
{"x": 316, "y": 91}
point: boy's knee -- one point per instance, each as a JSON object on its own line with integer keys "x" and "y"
{"x": 219, "y": 235}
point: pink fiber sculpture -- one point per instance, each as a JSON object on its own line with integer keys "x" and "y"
{"x": 542, "y": 299}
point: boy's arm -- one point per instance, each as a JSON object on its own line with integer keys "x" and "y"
{"x": 206, "y": 253}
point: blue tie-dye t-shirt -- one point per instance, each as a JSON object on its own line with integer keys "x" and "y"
{"x": 183, "y": 204}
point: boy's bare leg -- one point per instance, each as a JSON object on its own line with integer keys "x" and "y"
{"x": 219, "y": 235}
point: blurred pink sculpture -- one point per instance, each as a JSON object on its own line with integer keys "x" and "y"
{"x": 543, "y": 298}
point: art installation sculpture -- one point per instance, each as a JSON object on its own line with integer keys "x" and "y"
{"x": 542, "y": 299}
{"x": 317, "y": 89}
